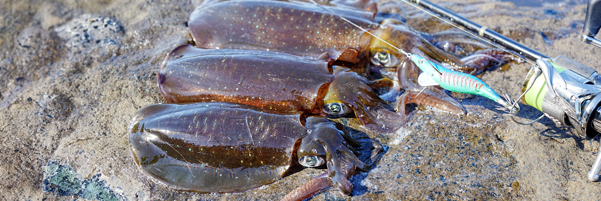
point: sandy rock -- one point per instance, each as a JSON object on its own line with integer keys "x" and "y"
{"x": 87, "y": 31}
{"x": 72, "y": 78}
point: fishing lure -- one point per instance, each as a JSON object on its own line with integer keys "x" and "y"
{"x": 434, "y": 74}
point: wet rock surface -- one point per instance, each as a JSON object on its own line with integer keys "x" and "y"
{"x": 68, "y": 91}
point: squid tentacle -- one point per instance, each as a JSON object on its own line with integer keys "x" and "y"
{"x": 425, "y": 98}
{"x": 314, "y": 186}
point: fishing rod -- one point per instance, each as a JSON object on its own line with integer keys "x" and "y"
{"x": 481, "y": 30}
{"x": 563, "y": 89}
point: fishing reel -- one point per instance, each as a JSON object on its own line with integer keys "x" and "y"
{"x": 569, "y": 92}
{"x": 564, "y": 90}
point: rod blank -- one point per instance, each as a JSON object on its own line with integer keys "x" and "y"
{"x": 483, "y": 31}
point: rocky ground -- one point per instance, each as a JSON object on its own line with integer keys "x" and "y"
{"x": 73, "y": 73}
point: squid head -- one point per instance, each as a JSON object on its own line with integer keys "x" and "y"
{"x": 350, "y": 93}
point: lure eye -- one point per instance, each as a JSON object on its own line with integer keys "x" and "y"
{"x": 335, "y": 109}
{"x": 311, "y": 161}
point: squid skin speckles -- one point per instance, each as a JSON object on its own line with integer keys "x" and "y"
{"x": 235, "y": 155}
{"x": 235, "y": 147}
{"x": 299, "y": 28}
{"x": 278, "y": 82}
{"x": 305, "y": 29}
{"x": 269, "y": 71}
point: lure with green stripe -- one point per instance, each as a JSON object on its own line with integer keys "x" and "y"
{"x": 434, "y": 74}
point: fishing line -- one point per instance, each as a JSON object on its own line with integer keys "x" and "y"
{"x": 480, "y": 36}
{"x": 514, "y": 104}
{"x": 362, "y": 29}
{"x": 409, "y": 54}
{"x": 480, "y": 31}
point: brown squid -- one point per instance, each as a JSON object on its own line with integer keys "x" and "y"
{"x": 278, "y": 82}
{"x": 224, "y": 147}
{"x": 319, "y": 30}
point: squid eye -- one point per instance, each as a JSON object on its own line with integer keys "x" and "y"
{"x": 311, "y": 161}
{"x": 335, "y": 109}
{"x": 382, "y": 58}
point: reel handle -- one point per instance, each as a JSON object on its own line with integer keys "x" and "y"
{"x": 592, "y": 23}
